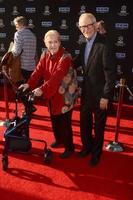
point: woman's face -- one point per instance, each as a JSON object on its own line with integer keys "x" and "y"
{"x": 52, "y": 43}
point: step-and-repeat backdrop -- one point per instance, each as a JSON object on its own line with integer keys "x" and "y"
{"x": 63, "y": 15}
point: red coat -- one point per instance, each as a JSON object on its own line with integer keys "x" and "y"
{"x": 59, "y": 80}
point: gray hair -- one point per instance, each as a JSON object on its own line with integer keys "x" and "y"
{"x": 21, "y": 20}
{"x": 88, "y": 15}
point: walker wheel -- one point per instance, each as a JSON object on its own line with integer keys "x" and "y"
{"x": 5, "y": 163}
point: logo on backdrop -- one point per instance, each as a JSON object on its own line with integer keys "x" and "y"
{"x": 119, "y": 70}
{"x": 102, "y": 9}
{"x": 2, "y": 10}
{"x": 30, "y": 24}
{"x": 64, "y": 38}
{"x": 64, "y": 9}
{"x": 82, "y": 10}
{"x": 46, "y": 10}
{"x": 2, "y": 47}
{"x": 120, "y": 42}
{"x": 1, "y": 23}
{"x": 63, "y": 24}
{"x": 120, "y": 56}
{"x": 81, "y": 39}
{"x": 15, "y": 10}
{"x": 2, "y": 35}
{"x": 30, "y": 10}
{"x": 121, "y": 26}
{"x": 77, "y": 51}
{"x": 46, "y": 23}
{"x": 123, "y": 11}
{"x": 12, "y": 23}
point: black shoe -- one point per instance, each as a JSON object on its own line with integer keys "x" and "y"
{"x": 83, "y": 153}
{"x": 94, "y": 161}
{"x": 33, "y": 109}
{"x": 55, "y": 144}
{"x": 66, "y": 154}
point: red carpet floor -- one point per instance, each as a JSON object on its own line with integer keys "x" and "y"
{"x": 28, "y": 177}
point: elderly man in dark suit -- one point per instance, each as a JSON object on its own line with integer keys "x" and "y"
{"x": 98, "y": 64}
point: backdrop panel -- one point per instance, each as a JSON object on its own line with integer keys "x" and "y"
{"x": 63, "y": 15}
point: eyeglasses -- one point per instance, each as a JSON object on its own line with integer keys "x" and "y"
{"x": 85, "y": 26}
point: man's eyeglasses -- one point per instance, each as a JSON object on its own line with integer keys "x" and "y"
{"x": 85, "y": 26}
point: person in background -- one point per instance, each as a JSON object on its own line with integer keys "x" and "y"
{"x": 98, "y": 63}
{"x": 101, "y": 28}
{"x": 25, "y": 44}
{"x": 59, "y": 89}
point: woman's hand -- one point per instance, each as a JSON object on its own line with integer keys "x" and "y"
{"x": 37, "y": 92}
{"x": 24, "y": 87}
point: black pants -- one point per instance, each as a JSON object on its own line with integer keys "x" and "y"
{"x": 62, "y": 128}
{"x": 89, "y": 116}
{"x": 26, "y": 74}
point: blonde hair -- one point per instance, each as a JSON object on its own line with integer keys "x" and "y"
{"x": 52, "y": 32}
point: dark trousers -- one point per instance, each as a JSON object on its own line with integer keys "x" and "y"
{"x": 88, "y": 116}
{"x": 26, "y": 74}
{"x": 62, "y": 128}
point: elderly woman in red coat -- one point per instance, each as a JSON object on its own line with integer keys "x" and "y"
{"x": 59, "y": 88}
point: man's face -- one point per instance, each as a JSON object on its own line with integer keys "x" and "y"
{"x": 52, "y": 43}
{"x": 87, "y": 27}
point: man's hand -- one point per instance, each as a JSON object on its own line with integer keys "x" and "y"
{"x": 104, "y": 104}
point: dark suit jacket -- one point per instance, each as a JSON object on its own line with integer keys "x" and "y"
{"x": 100, "y": 73}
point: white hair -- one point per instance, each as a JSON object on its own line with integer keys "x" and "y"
{"x": 89, "y": 16}
{"x": 52, "y": 32}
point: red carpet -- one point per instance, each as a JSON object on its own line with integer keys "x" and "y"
{"x": 28, "y": 177}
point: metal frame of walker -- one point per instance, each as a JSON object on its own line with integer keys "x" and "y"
{"x": 6, "y": 79}
{"x": 115, "y": 146}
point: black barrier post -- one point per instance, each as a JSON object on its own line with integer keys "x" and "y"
{"x": 115, "y": 146}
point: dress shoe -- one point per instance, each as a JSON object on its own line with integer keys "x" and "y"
{"x": 83, "y": 153}
{"x": 55, "y": 144}
{"x": 94, "y": 161}
{"x": 66, "y": 154}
